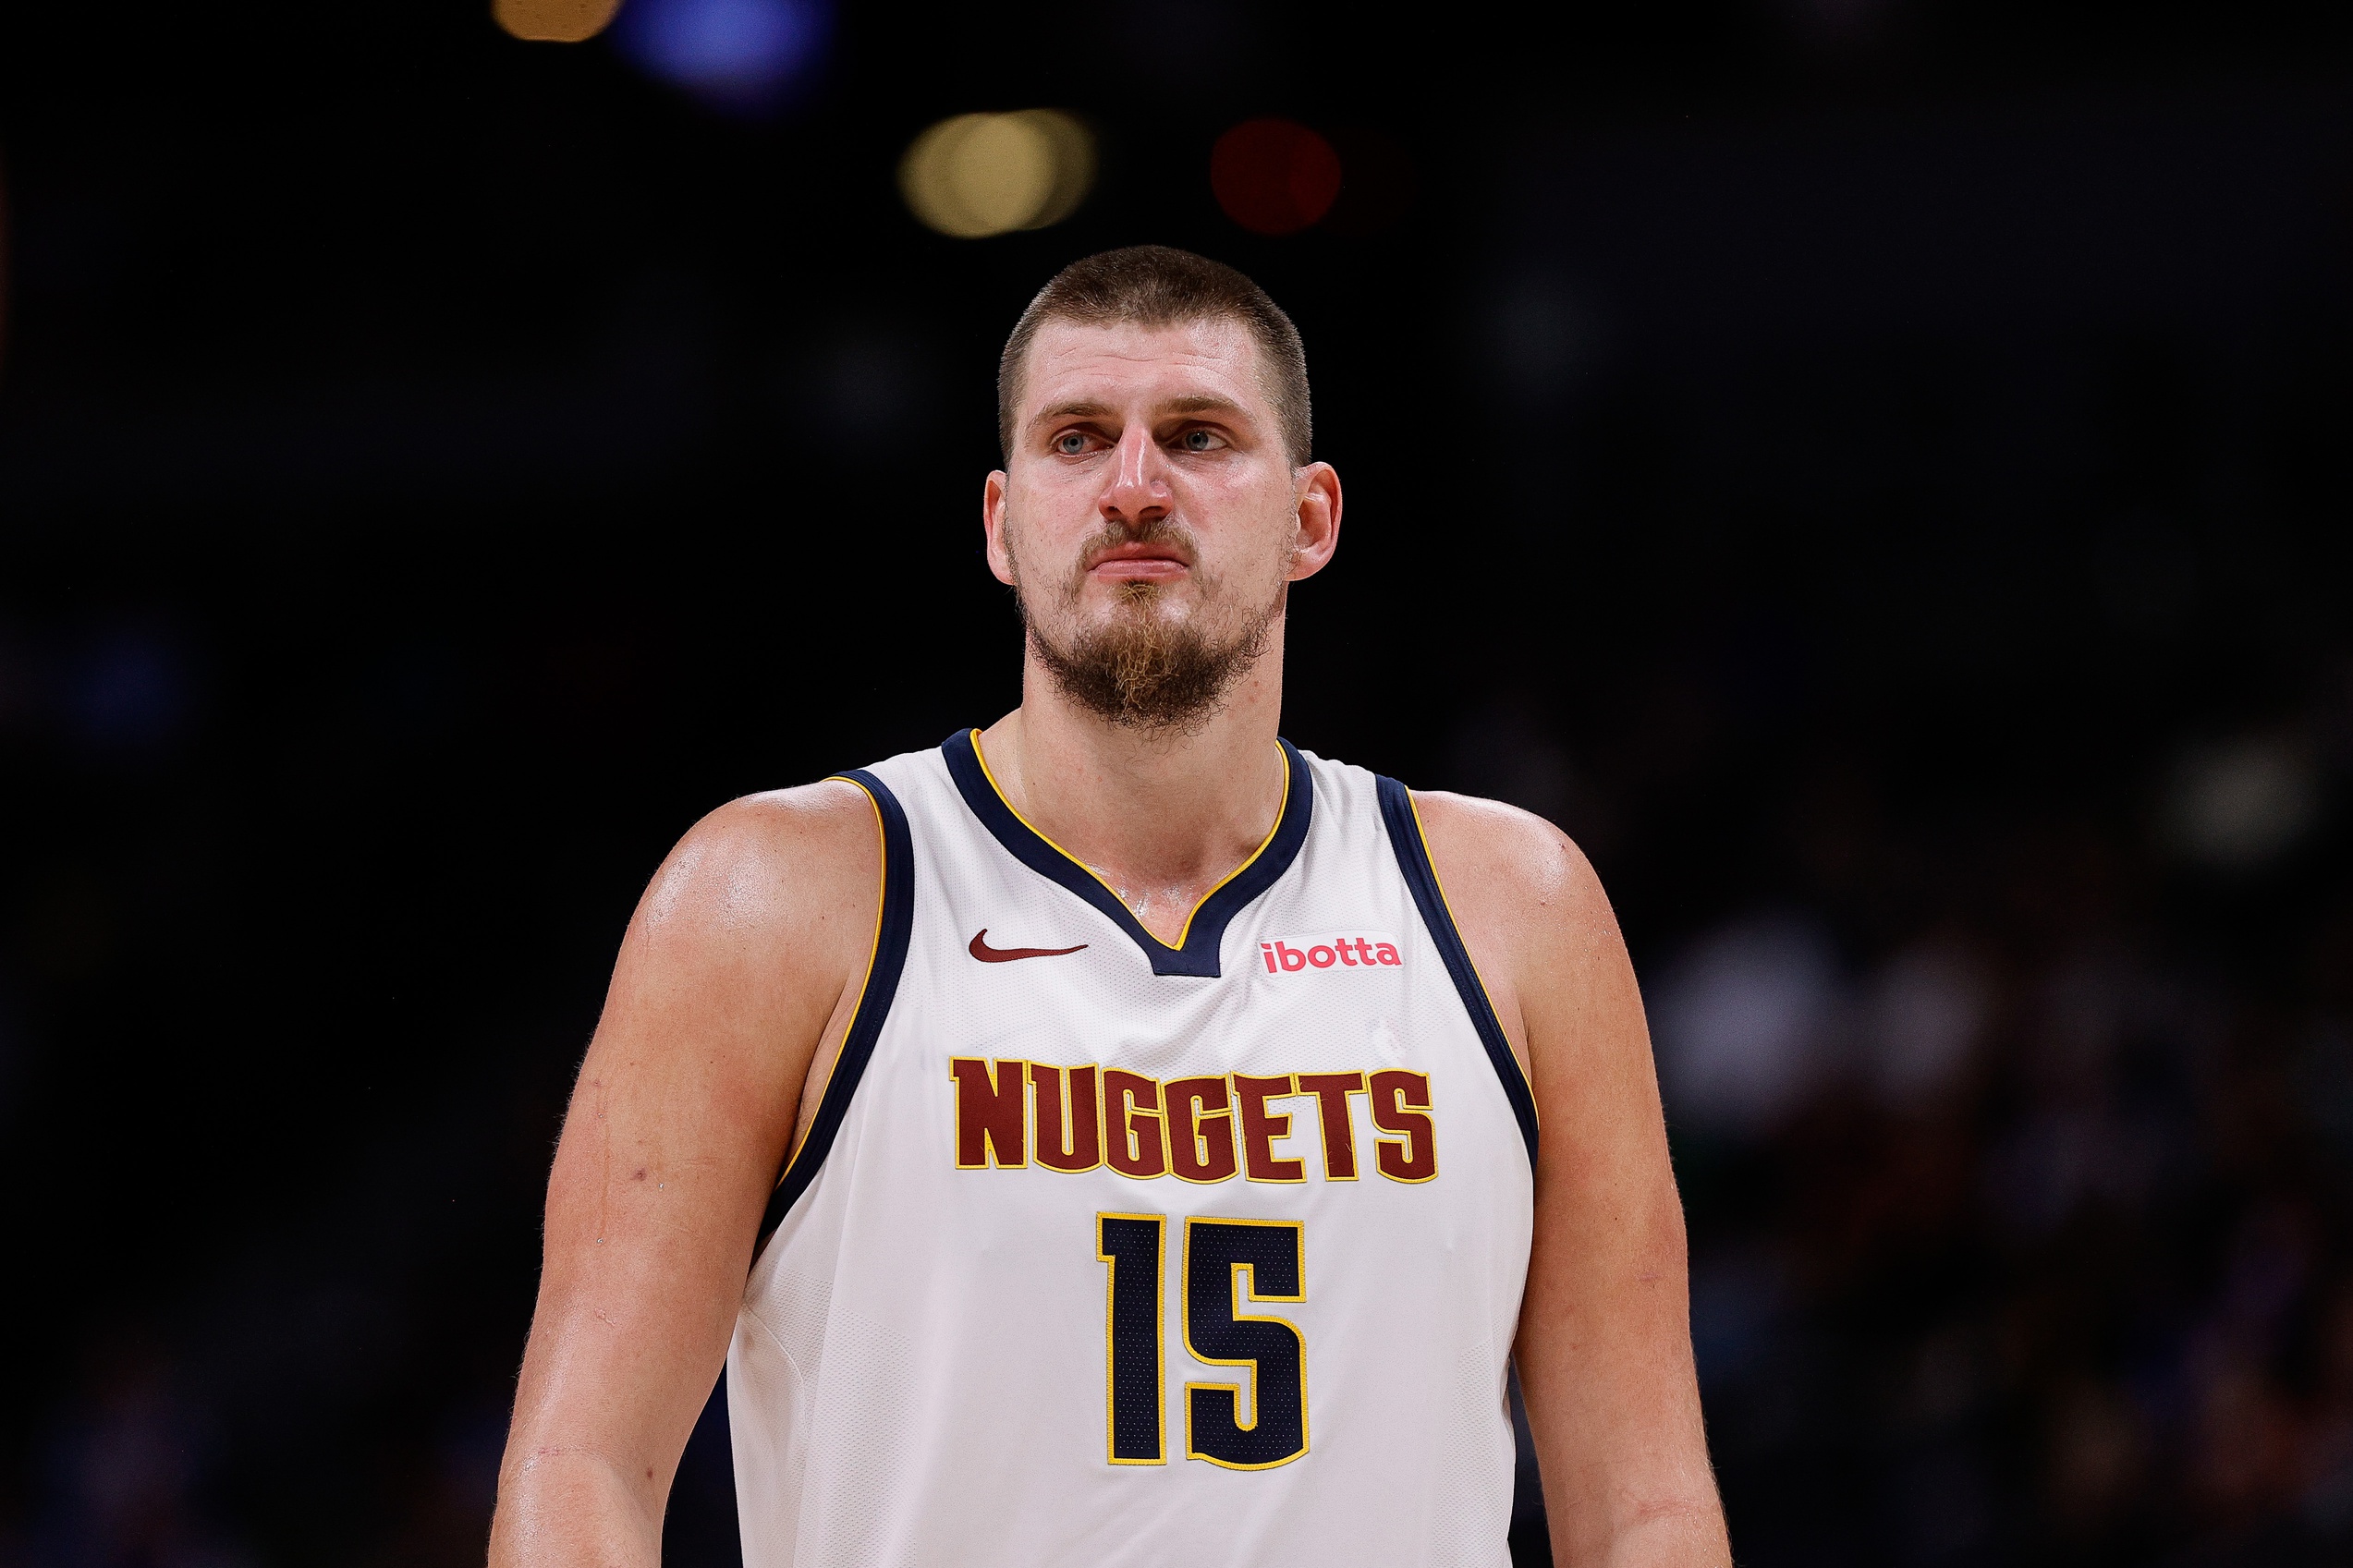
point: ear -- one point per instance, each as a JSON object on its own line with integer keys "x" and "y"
{"x": 1318, "y": 520}
{"x": 993, "y": 526}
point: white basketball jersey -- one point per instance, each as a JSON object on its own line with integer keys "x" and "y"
{"x": 1102, "y": 1250}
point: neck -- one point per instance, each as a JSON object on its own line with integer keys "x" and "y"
{"x": 1163, "y": 817}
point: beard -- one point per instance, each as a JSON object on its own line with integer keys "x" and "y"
{"x": 1137, "y": 669}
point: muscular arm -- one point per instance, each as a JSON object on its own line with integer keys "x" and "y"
{"x": 1604, "y": 1345}
{"x": 742, "y": 957}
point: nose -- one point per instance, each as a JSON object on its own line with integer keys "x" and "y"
{"x": 1137, "y": 490}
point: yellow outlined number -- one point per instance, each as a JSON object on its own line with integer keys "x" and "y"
{"x": 1131, "y": 1335}
{"x": 1226, "y": 1262}
{"x": 1219, "y": 1255}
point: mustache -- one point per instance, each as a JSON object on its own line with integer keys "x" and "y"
{"x": 1149, "y": 530}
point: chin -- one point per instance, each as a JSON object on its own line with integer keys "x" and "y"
{"x": 1127, "y": 602}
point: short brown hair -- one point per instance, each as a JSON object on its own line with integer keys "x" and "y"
{"x": 1156, "y": 285}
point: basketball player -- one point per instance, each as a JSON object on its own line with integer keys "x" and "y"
{"x": 1117, "y": 1137}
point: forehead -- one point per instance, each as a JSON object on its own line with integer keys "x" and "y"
{"x": 1123, "y": 364}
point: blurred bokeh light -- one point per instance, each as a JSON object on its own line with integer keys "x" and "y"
{"x": 1272, "y": 177}
{"x": 2238, "y": 806}
{"x": 741, "y": 55}
{"x": 1378, "y": 182}
{"x": 979, "y": 175}
{"x": 555, "y": 21}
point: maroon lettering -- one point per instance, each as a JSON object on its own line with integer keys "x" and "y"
{"x": 1009, "y": 1113}
{"x": 1079, "y": 1144}
{"x": 1399, "y": 1100}
{"x": 1201, "y": 1130}
{"x": 992, "y": 1113}
{"x": 1332, "y": 1091}
{"x": 1261, "y": 1127}
{"x": 1138, "y": 1144}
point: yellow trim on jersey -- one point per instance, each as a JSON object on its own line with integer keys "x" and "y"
{"x": 1440, "y": 883}
{"x": 1185, "y": 929}
{"x": 1236, "y": 1291}
{"x": 882, "y": 898}
{"x": 1111, "y": 1346}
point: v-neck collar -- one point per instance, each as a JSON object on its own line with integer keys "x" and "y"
{"x": 1195, "y": 951}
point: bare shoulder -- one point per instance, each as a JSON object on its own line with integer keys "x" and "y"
{"x": 1499, "y": 863}
{"x": 796, "y": 866}
{"x": 1532, "y": 913}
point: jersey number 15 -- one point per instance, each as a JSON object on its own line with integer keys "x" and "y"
{"x": 1226, "y": 1262}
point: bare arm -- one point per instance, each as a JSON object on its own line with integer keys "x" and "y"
{"x": 1604, "y": 1345}
{"x": 742, "y": 957}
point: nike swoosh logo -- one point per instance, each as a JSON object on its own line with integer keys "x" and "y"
{"x": 988, "y": 955}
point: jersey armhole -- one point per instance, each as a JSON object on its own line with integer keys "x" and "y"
{"x": 894, "y": 920}
{"x": 1405, "y": 838}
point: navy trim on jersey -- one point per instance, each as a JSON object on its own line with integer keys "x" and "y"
{"x": 1413, "y": 858}
{"x": 892, "y": 925}
{"x": 1206, "y": 928}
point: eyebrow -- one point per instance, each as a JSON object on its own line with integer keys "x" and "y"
{"x": 1070, "y": 412}
{"x": 1197, "y": 403}
{"x": 1204, "y": 403}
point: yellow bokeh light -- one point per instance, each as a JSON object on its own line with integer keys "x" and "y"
{"x": 979, "y": 175}
{"x": 555, "y": 21}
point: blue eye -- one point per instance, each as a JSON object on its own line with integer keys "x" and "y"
{"x": 1199, "y": 440}
{"x": 1070, "y": 444}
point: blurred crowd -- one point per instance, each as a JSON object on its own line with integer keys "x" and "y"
{"x": 2018, "y": 1150}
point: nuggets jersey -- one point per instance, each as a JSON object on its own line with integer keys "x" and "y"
{"x": 1103, "y": 1250}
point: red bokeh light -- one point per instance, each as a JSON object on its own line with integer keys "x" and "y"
{"x": 1272, "y": 177}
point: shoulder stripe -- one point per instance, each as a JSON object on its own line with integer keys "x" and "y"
{"x": 894, "y": 920}
{"x": 1413, "y": 858}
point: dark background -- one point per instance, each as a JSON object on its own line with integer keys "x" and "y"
{"x": 1871, "y": 470}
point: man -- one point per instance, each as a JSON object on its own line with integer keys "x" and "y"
{"x": 1156, "y": 1105}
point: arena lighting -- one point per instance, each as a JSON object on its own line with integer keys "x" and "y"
{"x": 554, "y": 21}
{"x": 1272, "y": 177}
{"x": 980, "y": 175}
{"x": 743, "y": 55}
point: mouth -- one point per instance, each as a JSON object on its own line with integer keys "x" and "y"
{"x": 1138, "y": 563}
